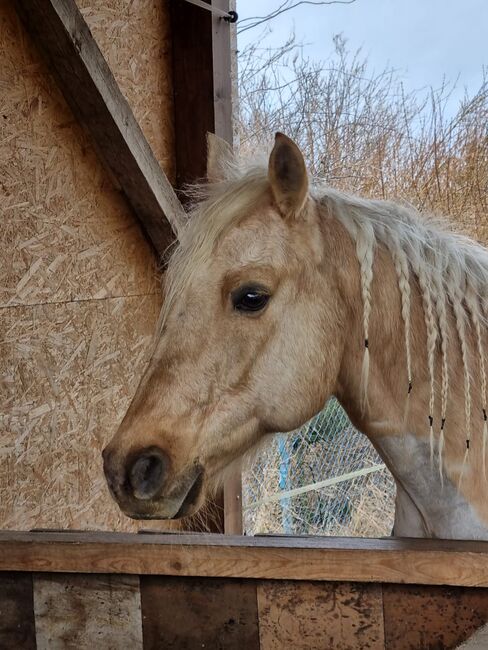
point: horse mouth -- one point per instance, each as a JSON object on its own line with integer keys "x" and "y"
{"x": 189, "y": 504}
{"x": 181, "y": 502}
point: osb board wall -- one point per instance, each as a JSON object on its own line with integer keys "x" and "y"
{"x": 147, "y": 612}
{"x": 134, "y": 37}
{"x": 79, "y": 287}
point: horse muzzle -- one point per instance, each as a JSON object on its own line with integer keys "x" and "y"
{"x": 145, "y": 487}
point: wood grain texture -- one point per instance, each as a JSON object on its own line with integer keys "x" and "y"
{"x": 320, "y": 616}
{"x": 193, "y": 89}
{"x": 431, "y": 618}
{"x": 79, "y": 289}
{"x": 329, "y": 559}
{"x": 90, "y": 89}
{"x": 68, "y": 372}
{"x": 17, "y": 628}
{"x": 143, "y": 74}
{"x": 233, "y": 505}
{"x": 187, "y": 613}
{"x": 76, "y": 612}
{"x": 67, "y": 233}
{"x": 202, "y": 63}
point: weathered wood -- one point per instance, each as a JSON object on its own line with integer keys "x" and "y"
{"x": 233, "y": 505}
{"x": 223, "y": 58}
{"x": 202, "y": 63}
{"x": 317, "y": 615}
{"x": 17, "y": 627}
{"x": 199, "y": 613}
{"x": 87, "y": 612}
{"x": 193, "y": 89}
{"x": 335, "y": 559}
{"x": 90, "y": 89}
{"x": 431, "y": 618}
{"x": 222, "y": 79}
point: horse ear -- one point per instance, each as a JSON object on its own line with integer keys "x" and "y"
{"x": 288, "y": 175}
{"x": 219, "y": 152}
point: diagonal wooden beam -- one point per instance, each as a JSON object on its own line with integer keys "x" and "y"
{"x": 89, "y": 87}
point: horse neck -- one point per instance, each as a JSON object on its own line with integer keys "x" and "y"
{"x": 397, "y": 423}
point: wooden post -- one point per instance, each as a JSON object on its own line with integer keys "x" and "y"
{"x": 203, "y": 91}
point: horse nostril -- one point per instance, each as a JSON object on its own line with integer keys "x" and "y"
{"x": 147, "y": 473}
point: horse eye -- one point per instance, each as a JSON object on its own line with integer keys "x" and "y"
{"x": 250, "y": 299}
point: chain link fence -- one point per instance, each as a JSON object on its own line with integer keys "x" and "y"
{"x": 323, "y": 479}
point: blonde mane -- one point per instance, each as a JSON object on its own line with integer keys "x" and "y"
{"x": 451, "y": 271}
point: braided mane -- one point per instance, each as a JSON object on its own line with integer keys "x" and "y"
{"x": 452, "y": 274}
{"x": 451, "y": 271}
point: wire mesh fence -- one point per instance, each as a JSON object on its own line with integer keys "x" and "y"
{"x": 323, "y": 479}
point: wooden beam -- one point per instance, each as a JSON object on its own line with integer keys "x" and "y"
{"x": 91, "y": 91}
{"x": 202, "y": 62}
{"x": 203, "y": 92}
{"x": 233, "y": 504}
{"x": 224, "y": 48}
{"x": 191, "y": 30}
{"x": 410, "y": 561}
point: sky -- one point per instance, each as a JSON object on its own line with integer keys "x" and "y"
{"x": 424, "y": 40}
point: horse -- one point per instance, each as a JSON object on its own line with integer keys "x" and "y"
{"x": 282, "y": 292}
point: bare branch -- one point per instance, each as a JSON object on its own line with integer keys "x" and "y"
{"x": 284, "y": 7}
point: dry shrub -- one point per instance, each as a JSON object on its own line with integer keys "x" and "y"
{"x": 360, "y": 131}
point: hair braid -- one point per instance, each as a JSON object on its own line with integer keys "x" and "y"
{"x": 400, "y": 262}
{"x": 474, "y": 309}
{"x": 365, "y": 252}
{"x": 431, "y": 327}
{"x": 456, "y": 295}
{"x": 440, "y": 306}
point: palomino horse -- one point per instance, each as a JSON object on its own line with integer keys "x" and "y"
{"x": 280, "y": 295}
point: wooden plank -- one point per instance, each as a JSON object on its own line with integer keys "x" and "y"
{"x": 191, "y": 28}
{"x": 361, "y": 560}
{"x": 87, "y": 612}
{"x": 432, "y": 618}
{"x": 233, "y": 505}
{"x": 17, "y": 629}
{"x": 90, "y": 89}
{"x": 202, "y": 63}
{"x": 317, "y": 615}
{"x": 199, "y": 613}
{"x": 66, "y": 232}
{"x": 143, "y": 74}
{"x": 223, "y": 59}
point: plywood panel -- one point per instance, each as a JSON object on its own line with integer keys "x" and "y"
{"x": 187, "y": 613}
{"x": 67, "y": 232}
{"x": 79, "y": 285}
{"x": 67, "y": 373}
{"x": 432, "y": 618}
{"x": 17, "y": 629}
{"x": 135, "y": 39}
{"x": 76, "y": 612}
{"x": 319, "y": 616}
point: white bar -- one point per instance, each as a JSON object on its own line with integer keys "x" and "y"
{"x": 214, "y": 10}
{"x": 317, "y": 486}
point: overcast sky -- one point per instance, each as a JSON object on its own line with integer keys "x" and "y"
{"x": 423, "y": 39}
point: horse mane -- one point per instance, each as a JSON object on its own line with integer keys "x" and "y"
{"x": 451, "y": 271}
